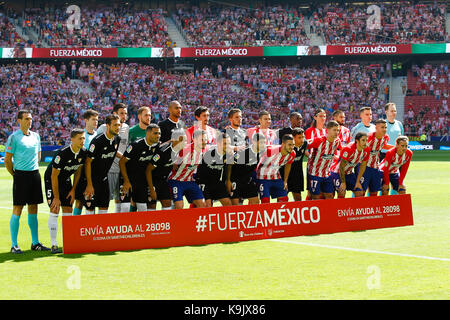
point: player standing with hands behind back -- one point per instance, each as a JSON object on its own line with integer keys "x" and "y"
{"x": 24, "y": 147}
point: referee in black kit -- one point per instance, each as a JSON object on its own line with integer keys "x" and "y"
{"x": 101, "y": 153}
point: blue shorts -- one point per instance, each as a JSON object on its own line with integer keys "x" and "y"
{"x": 271, "y": 188}
{"x": 190, "y": 189}
{"x": 350, "y": 181}
{"x": 318, "y": 185}
{"x": 371, "y": 179}
{"x": 393, "y": 178}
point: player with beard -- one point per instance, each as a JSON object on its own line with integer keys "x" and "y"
{"x": 172, "y": 122}
{"x": 241, "y": 178}
{"x": 101, "y": 154}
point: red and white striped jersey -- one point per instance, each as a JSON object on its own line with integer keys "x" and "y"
{"x": 271, "y": 135}
{"x": 186, "y": 163}
{"x": 311, "y": 133}
{"x": 270, "y": 163}
{"x": 393, "y": 163}
{"x": 344, "y": 135}
{"x": 210, "y": 134}
{"x": 375, "y": 145}
{"x": 321, "y": 157}
{"x": 352, "y": 156}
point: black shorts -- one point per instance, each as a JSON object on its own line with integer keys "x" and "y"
{"x": 244, "y": 190}
{"x": 296, "y": 183}
{"x": 101, "y": 194}
{"x": 64, "y": 187}
{"x": 139, "y": 189}
{"x": 214, "y": 191}
{"x": 27, "y": 188}
{"x": 81, "y": 187}
{"x": 162, "y": 189}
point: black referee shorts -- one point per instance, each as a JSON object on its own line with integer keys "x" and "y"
{"x": 27, "y": 188}
{"x": 64, "y": 187}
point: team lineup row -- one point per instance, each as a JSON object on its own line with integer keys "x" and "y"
{"x": 165, "y": 162}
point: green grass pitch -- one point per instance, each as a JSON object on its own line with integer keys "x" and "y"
{"x": 396, "y": 263}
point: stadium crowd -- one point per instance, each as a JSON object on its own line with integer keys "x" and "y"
{"x": 58, "y": 101}
{"x": 401, "y": 22}
{"x": 224, "y": 25}
{"x": 427, "y": 100}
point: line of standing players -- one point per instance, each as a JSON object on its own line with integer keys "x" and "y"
{"x": 166, "y": 162}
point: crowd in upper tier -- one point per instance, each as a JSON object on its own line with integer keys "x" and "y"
{"x": 226, "y": 25}
{"x": 59, "y": 94}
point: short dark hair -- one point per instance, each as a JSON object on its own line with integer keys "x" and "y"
{"x": 387, "y": 105}
{"x": 359, "y": 135}
{"x": 118, "y": 106}
{"x": 362, "y": 109}
{"x": 287, "y": 137}
{"x": 110, "y": 118}
{"x": 231, "y": 112}
{"x": 152, "y": 126}
{"x": 22, "y": 112}
{"x": 382, "y": 121}
{"x": 297, "y": 131}
{"x": 263, "y": 113}
{"x": 89, "y": 113}
{"x": 75, "y": 132}
{"x": 332, "y": 123}
{"x": 336, "y": 112}
{"x": 200, "y": 110}
{"x": 295, "y": 114}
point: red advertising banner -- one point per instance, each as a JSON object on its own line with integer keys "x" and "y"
{"x": 74, "y": 52}
{"x": 370, "y": 49}
{"x": 161, "y": 229}
{"x": 221, "y": 52}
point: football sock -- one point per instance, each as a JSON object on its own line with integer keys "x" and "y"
{"x": 33, "y": 224}
{"x": 118, "y": 207}
{"x": 102, "y": 211}
{"x": 90, "y": 211}
{"x": 53, "y": 228}
{"x": 125, "y": 207}
{"x": 166, "y": 208}
{"x": 265, "y": 200}
{"x": 14, "y": 223}
{"x": 133, "y": 208}
{"x": 141, "y": 207}
{"x": 393, "y": 192}
{"x": 76, "y": 211}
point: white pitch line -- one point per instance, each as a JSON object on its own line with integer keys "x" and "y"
{"x": 360, "y": 250}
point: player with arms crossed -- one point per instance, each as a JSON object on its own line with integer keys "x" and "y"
{"x": 59, "y": 191}
{"x": 24, "y": 147}
{"x": 101, "y": 154}
{"x": 342, "y": 169}
{"x": 134, "y": 165}
{"x": 268, "y": 176}
{"x": 181, "y": 179}
{"x": 322, "y": 151}
{"x": 241, "y": 176}
{"x": 395, "y": 166}
{"x": 376, "y": 141}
